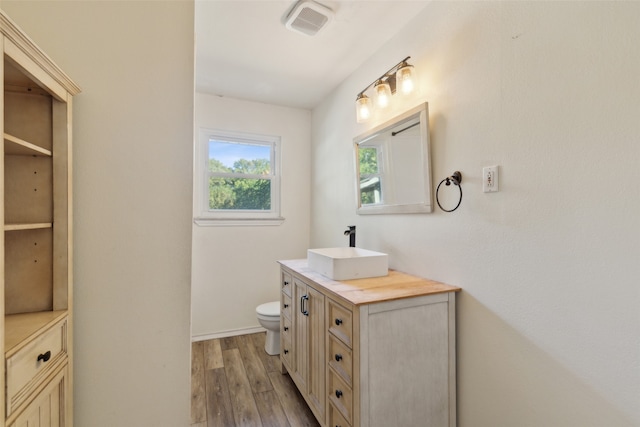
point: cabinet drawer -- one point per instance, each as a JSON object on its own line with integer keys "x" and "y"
{"x": 340, "y": 359}
{"x": 286, "y": 353}
{"x": 286, "y": 327}
{"x": 285, "y": 308}
{"x": 340, "y": 396}
{"x": 286, "y": 283}
{"x": 27, "y": 368}
{"x": 336, "y": 419}
{"x": 340, "y": 322}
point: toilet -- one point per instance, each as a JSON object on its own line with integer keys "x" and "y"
{"x": 269, "y": 318}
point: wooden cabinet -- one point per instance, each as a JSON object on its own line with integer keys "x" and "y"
{"x": 37, "y": 263}
{"x": 388, "y": 345}
{"x": 302, "y": 347}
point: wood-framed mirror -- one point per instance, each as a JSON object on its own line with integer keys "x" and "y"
{"x": 393, "y": 166}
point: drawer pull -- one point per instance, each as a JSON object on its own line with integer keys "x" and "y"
{"x": 286, "y": 328}
{"x": 44, "y": 357}
{"x": 338, "y": 322}
{"x": 286, "y": 351}
{"x": 338, "y": 394}
{"x": 338, "y": 357}
{"x": 286, "y": 305}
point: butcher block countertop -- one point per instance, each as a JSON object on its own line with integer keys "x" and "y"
{"x": 395, "y": 285}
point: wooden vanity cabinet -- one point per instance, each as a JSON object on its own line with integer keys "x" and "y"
{"x": 37, "y": 314}
{"x": 389, "y": 349}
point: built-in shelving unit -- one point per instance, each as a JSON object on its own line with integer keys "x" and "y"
{"x": 37, "y": 287}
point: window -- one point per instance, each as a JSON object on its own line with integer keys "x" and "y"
{"x": 238, "y": 179}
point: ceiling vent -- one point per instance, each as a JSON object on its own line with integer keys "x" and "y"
{"x": 308, "y": 17}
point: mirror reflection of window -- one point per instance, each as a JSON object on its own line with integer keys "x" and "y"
{"x": 370, "y": 175}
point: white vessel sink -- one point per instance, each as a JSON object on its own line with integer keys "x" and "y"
{"x": 348, "y": 263}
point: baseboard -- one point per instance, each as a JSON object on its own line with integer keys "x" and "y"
{"x": 230, "y": 333}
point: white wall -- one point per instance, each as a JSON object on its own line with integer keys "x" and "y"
{"x": 548, "y": 319}
{"x": 235, "y": 268}
{"x": 133, "y": 128}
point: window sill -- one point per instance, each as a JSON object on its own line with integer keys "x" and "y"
{"x": 237, "y": 222}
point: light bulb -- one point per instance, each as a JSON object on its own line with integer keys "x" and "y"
{"x": 363, "y": 108}
{"x": 383, "y": 94}
{"x": 404, "y": 78}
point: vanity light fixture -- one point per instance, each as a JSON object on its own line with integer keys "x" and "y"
{"x": 400, "y": 76}
{"x": 405, "y": 77}
{"x": 363, "y": 108}
{"x": 383, "y": 93}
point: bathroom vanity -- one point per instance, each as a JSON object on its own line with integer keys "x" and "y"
{"x": 370, "y": 352}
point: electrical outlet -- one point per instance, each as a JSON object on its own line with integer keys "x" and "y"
{"x": 490, "y": 179}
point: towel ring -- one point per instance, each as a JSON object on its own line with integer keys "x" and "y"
{"x": 456, "y": 179}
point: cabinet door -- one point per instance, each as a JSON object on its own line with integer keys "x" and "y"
{"x": 315, "y": 350}
{"x": 309, "y": 336}
{"x": 49, "y": 406}
{"x": 410, "y": 365}
{"x": 300, "y": 332}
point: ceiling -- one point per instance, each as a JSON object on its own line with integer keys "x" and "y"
{"x": 244, "y": 51}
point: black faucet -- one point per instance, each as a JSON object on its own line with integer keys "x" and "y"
{"x": 351, "y": 232}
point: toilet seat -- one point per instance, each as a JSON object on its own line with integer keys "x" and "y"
{"x": 270, "y": 309}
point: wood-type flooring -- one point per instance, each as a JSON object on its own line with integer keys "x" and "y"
{"x": 235, "y": 383}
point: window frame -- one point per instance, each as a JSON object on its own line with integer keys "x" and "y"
{"x": 205, "y": 216}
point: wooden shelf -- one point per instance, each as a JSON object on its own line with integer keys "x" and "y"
{"x": 20, "y": 329}
{"x": 16, "y": 146}
{"x": 18, "y": 227}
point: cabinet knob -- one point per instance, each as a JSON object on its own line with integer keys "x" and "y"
{"x": 286, "y": 328}
{"x": 285, "y": 283}
{"x": 286, "y": 351}
{"x": 44, "y": 357}
{"x": 338, "y": 394}
{"x": 338, "y": 357}
{"x": 338, "y": 322}
{"x": 286, "y": 305}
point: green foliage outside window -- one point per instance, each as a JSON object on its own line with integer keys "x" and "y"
{"x": 368, "y": 158}
{"x": 369, "y": 175}
{"x": 240, "y": 193}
